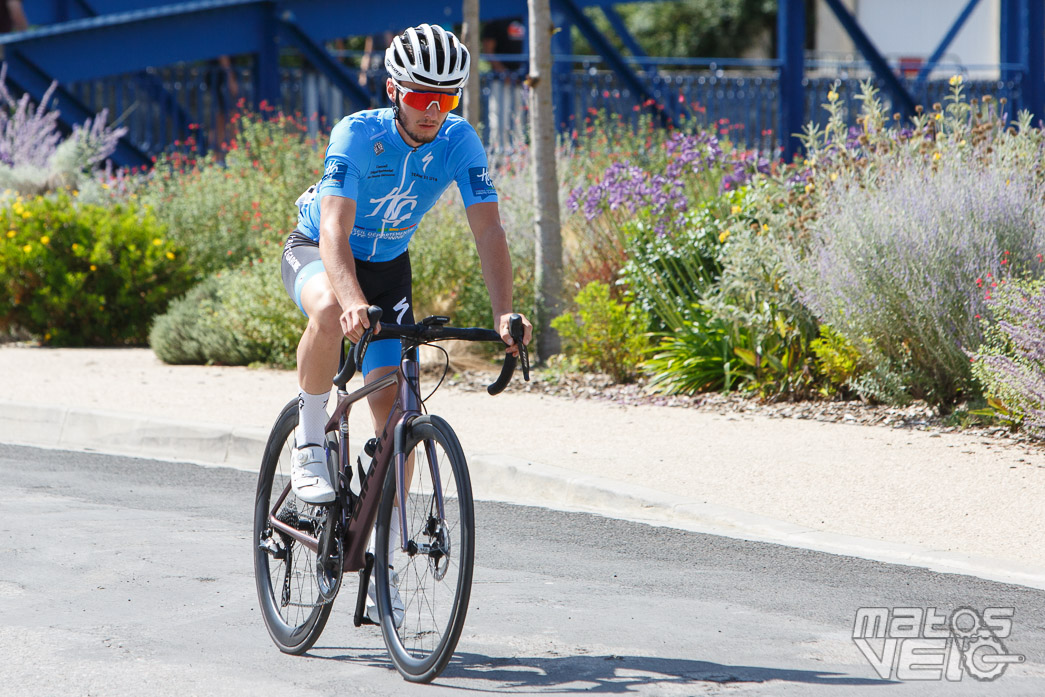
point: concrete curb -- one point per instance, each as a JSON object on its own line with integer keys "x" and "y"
{"x": 495, "y": 477}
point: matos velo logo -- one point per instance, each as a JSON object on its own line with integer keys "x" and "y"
{"x": 913, "y": 643}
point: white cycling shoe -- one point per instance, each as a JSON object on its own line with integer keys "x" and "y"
{"x": 398, "y": 609}
{"x": 309, "y": 475}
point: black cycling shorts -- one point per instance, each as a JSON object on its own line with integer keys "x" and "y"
{"x": 386, "y": 284}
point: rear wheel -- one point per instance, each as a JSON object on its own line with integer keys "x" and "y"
{"x": 433, "y": 577}
{"x": 293, "y": 603}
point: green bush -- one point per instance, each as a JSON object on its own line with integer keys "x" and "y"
{"x": 447, "y": 276}
{"x": 699, "y": 356}
{"x": 224, "y": 214}
{"x": 604, "y": 335}
{"x": 233, "y": 318}
{"x": 85, "y": 275}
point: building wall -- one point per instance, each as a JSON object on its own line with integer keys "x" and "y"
{"x": 913, "y": 29}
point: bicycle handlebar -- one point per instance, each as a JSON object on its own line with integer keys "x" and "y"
{"x": 437, "y": 331}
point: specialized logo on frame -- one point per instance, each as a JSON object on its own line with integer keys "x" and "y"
{"x": 913, "y": 643}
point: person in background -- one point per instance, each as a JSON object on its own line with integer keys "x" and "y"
{"x": 224, "y": 88}
{"x": 505, "y": 107}
{"x": 12, "y": 16}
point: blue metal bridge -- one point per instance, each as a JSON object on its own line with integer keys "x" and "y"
{"x": 147, "y": 64}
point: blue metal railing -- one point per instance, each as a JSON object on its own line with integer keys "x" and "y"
{"x": 742, "y": 104}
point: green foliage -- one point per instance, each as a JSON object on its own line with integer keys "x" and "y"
{"x": 605, "y": 335}
{"x": 233, "y": 318}
{"x": 837, "y": 360}
{"x": 699, "y": 356}
{"x": 224, "y": 214}
{"x": 85, "y": 275}
{"x": 720, "y": 28}
{"x": 447, "y": 275}
{"x": 668, "y": 275}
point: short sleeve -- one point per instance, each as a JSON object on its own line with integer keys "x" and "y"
{"x": 346, "y": 159}
{"x": 472, "y": 173}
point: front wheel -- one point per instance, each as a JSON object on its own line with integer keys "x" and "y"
{"x": 433, "y": 576}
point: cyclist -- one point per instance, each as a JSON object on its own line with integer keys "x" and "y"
{"x": 384, "y": 169}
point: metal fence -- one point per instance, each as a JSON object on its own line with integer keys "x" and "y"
{"x": 162, "y": 106}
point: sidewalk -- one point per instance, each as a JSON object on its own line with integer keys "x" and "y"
{"x": 950, "y": 502}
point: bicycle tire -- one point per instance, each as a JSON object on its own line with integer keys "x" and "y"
{"x": 434, "y": 587}
{"x": 293, "y": 612}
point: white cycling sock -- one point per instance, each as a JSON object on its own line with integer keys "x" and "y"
{"x": 312, "y": 418}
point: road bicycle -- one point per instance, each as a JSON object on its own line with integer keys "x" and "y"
{"x": 417, "y": 472}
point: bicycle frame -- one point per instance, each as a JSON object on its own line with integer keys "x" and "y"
{"x": 392, "y": 441}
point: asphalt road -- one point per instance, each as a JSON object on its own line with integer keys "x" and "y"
{"x": 122, "y": 576}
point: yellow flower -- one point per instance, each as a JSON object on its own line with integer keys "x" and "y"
{"x": 723, "y": 236}
{"x": 47, "y": 336}
{"x": 939, "y": 116}
{"x": 17, "y": 208}
{"x": 27, "y": 214}
{"x": 11, "y": 233}
{"x": 956, "y": 80}
{"x": 105, "y": 186}
{"x": 170, "y": 255}
{"x": 45, "y": 240}
{"x": 76, "y": 247}
{"x": 93, "y": 267}
{"x": 765, "y": 228}
{"x": 735, "y": 210}
{"x": 936, "y": 156}
{"x": 28, "y": 248}
{"x": 810, "y": 188}
{"x": 832, "y": 96}
{"x": 834, "y": 176}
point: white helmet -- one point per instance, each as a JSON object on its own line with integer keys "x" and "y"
{"x": 428, "y": 55}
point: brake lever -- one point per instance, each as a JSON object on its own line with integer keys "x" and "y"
{"x": 517, "y": 332}
{"x": 359, "y": 350}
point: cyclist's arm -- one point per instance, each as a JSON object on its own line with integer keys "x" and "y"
{"x": 484, "y": 218}
{"x": 336, "y": 217}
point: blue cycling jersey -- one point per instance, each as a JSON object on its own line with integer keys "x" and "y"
{"x": 392, "y": 183}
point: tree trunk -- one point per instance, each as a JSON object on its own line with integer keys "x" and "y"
{"x": 548, "y": 260}
{"x": 470, "y": 36}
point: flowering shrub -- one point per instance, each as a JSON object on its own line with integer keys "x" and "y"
{"x": 225, "y": 214}
{"x": 84, "y": 274}
{"x": 33, "y": 157}
{"x": 687, "y": 169}
{"x": 1011, "y": 362}
{"x": 908, "y": 223}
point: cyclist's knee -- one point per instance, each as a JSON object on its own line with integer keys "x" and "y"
{"x": 324, "y": 311}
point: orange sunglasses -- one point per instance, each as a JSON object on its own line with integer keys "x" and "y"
{"x": 423, "y": 100}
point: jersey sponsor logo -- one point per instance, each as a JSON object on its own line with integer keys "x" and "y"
{"x": 482, "y": 184}
{"x": 335, "y": 173}
{"x": 427, "y": 160}
{"x": 396, "y": 205}
{"x": 379, "y": 147}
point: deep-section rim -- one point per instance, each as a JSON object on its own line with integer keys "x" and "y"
{"x": 430, "y": 666}
{"x": 292, "y": 639}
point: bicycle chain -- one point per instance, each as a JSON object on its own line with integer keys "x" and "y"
{"x": 286, "y": 515}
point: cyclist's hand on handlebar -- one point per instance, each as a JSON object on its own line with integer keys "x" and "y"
{"x": 506, "y": 336}
{"x": 354, "y": 322}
